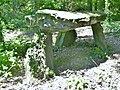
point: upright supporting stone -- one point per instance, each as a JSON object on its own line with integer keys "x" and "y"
{"x": 99, "y": 36}
{"x": 49, "y": 51}
{"x": 66, "y": 38}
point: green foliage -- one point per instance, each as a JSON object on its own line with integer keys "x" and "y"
{"x": 115, "y": 26}
{"x": 111, "y": 26}
{"x": 15, "y": 49}
{"x": 115, "y": 10}
{"x": 19, "y": 45}
{"x": 98, "y": 53}
{"x": 93, "y": 49}
{"x": 7, "y": 63}
{"x": 36, "y": 56}
{"x": 1, "y": 46}
{"x": 77, "y": 83}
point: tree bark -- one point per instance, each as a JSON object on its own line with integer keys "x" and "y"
{"x": 96, "y": 5}
{"x": 2, "y": 43}
{"x": 107, "y": 9}
{"x": 89, "y": 5}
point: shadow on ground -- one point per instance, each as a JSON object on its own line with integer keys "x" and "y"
{"x": 83, "y": 54}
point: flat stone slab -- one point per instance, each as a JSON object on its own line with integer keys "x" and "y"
{"x": 53, "y": 20}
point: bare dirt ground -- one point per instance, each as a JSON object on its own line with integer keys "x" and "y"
{"x": 105, "y": 76}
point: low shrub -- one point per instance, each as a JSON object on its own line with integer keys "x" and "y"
{"x": 8, "y": 64}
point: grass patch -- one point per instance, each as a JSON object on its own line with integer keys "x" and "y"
{"x": 81, "y": 55}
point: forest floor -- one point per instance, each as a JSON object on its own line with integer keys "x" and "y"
{"x": 76, "y": 74}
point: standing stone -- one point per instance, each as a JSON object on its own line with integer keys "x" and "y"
{"x": 66, "y": 38}
{"x": 99, "y": 36}
{"x": 49, "y": 51}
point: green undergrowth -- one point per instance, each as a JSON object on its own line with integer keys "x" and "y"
{"x": 19, "y": 45}
{"x": 11, "y": 63}
{"x": 8, "y": 64}
{"x": 115, "y": 34}
{"x": 22, "y": 48}
{"x": 112, "y": 26}
{"x": 81, "y": 55}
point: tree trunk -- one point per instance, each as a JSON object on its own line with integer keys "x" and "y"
{"x": 89, "y": 5}
{"x": 107, "y": 9}
{"x": 2, "y": 43}
{"x": 96, "y": 3}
